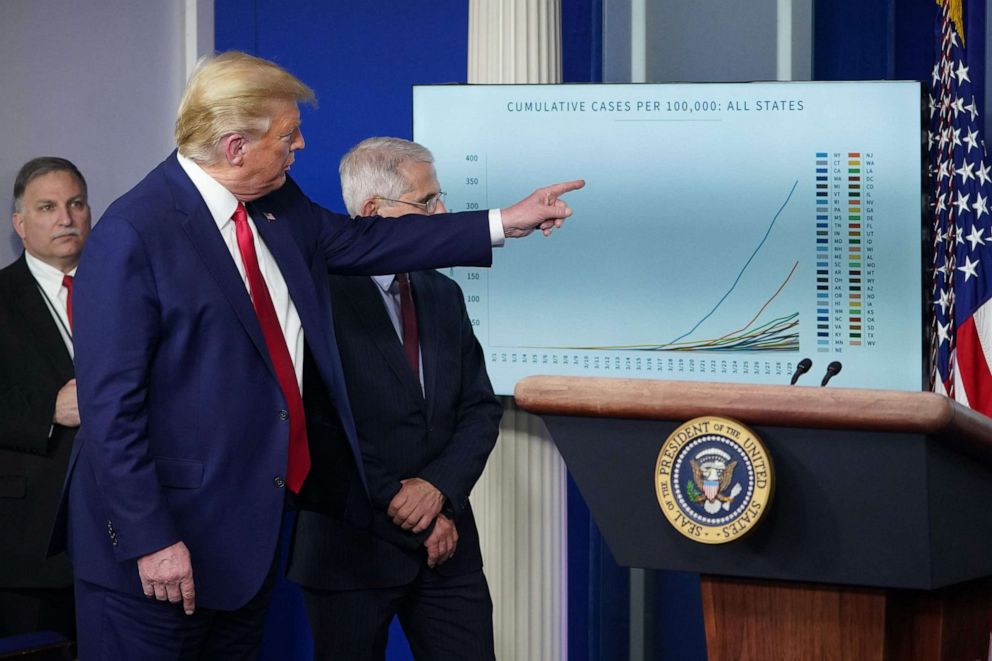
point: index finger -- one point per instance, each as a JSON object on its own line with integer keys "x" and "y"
{"x": 397, "y": 503}
{"x": 432, "y": 552}
{"x": 565, "y": 186}
{"x": 147, "y": 587}
{"x": 188, "y": 592}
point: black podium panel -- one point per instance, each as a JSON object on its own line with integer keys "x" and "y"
{"x": 850, "y": 507}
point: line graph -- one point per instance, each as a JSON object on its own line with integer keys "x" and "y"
{"x": 743, "y": 268}
{"x": 715, "y": 250}
{"x": 779, "y": 334}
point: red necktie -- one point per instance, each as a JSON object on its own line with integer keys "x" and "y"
{"x": 299, "y": 451}
{"x": 408, "y": 315}
{"x": 67, "y": 283}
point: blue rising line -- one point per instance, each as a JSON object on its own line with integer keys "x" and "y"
{"x": 739, "y": 275}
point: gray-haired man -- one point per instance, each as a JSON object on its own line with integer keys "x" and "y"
{"x": 427, "y": 420}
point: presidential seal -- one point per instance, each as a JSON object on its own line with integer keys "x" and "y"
{"x": 713, "y": 479}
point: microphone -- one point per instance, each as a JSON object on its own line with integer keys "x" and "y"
{"x": 833, "y": 369}
{"x": 801, "y": 369}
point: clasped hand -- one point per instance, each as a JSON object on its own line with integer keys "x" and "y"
{"x": 66, "y": 406}
{"x": 441, "y": 543}
{"x": 415, "y": 505}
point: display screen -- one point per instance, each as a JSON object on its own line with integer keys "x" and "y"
{"x": 726, "y": 231}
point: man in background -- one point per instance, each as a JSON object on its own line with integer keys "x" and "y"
{"x": 427, "y": 420}
{"x": 38, "y": 411}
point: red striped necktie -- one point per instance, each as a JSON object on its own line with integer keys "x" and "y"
{"x": 408, "y": 316}
{"x": 67, "y": 283}
{"x": 299, "y": 451}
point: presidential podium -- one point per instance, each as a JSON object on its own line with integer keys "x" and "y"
{"x": 878, "y": 538}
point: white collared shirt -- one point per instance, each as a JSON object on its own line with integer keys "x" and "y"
{"x": 49, "y": 279}
{"x": 222, "y": 203}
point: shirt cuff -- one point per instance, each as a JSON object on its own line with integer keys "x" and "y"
{"x": 496, "y": 235}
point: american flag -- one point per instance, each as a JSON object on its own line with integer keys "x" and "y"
{"x": 961, "y": 202}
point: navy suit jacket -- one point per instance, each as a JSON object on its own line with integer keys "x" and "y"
{"x": 34, "y": 365}
{"x": 183, "y": 437}
{"x": 443, "y": 434}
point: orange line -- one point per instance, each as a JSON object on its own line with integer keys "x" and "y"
{"x": 767, "y": 303}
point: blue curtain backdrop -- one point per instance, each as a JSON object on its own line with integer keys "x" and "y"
{"x": 887, "y": 40}
{"x": 361, "y": 58}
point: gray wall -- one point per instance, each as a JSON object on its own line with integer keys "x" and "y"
{"x": 94, "y": 81}
{"x": 616, "y": 41}
{"x": 709, "y": 40}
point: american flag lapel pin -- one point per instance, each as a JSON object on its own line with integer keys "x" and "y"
{"x": 269, "y": 217}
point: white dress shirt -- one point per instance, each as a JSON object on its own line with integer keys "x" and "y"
{"x": 222, "y": 203}
{"x": 49, "y": 280}
{"x": 497, "y": 237}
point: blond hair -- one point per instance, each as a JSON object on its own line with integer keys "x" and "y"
{"x": 232, "y": 93}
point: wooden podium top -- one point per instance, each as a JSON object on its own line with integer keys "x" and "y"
{"x": 787, "y": 406}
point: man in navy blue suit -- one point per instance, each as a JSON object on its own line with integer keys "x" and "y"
{"x": 201, "y": 294}
{"x": 427, "y": 420}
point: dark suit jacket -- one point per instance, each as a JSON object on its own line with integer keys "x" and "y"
{"x": 443, "y": 434}
{"x": 185, "y": 434}
{"x": 34, "y": 365}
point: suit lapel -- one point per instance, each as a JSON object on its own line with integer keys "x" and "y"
{"x": 31, "y": 303}
{"x": 199, "y": 225}
{"x": 289, "y": 259}
{"x": 364, "y": 297}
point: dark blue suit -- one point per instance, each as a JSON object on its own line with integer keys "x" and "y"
{"x": 183, "y": 436}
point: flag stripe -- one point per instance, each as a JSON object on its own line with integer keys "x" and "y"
{"x": 973, "y": 369}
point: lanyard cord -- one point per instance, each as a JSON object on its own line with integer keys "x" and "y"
{"x": 55, "y": 313}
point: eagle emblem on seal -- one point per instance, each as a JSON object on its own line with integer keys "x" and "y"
{"x": 712, "y": 475}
